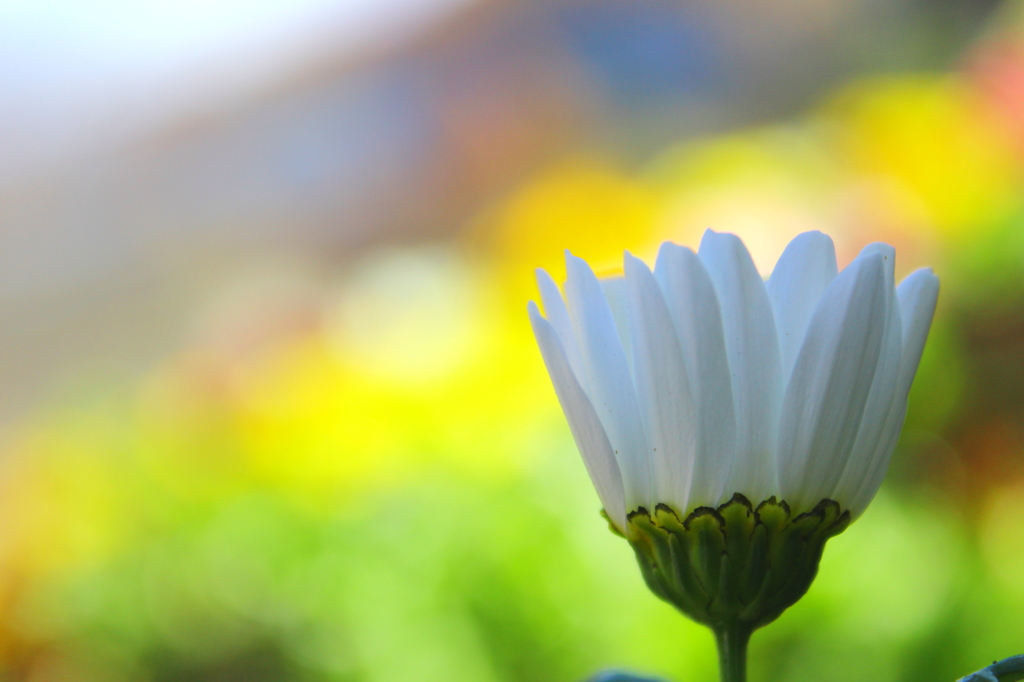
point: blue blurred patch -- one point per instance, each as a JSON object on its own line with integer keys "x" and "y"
{"x": 645, "y": 52}
{"x": 614, "y": 676}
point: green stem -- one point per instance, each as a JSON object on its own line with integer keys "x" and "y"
{"x": 732, "y": 643}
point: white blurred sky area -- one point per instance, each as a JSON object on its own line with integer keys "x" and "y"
{"x": 75, "y": 75}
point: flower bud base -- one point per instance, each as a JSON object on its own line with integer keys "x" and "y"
{"x": 734, "y": 568}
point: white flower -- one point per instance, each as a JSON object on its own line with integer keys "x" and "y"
{"x": 701, "y": 380}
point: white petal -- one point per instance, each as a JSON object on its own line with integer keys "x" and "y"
{"x": 614, "y": 289}
{"x": 663, "y": 389}
{"x": 878, "y": 409}
{"x": 591, "y": 440}
{"x": 800, "y": 277}
{"x": 832, "y": 377}
{"x": 558, "y": 315}
{"x": 609, "y": 384}
{"x": 888, "y": 255}
{"x": 753, "y": 350}
{"x": 917, "y": 296}
{"x": 694, "y": 307}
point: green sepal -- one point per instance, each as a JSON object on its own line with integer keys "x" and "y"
{"x": 734, "y": 565}
{"x": 611, "y": 525}
{"x": 705, "y": 546}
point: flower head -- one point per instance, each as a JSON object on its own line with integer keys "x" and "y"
{"x": 701, "y": 380}
{"x": 731, "y": 425}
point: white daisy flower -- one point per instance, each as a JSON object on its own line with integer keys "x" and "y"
{"x": 701, "y": 380}
{"x": 723, "y": 417}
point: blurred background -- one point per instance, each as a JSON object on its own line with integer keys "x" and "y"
{"x": 269, "y": 404}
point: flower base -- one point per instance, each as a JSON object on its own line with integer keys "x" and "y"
{"x": 734, "y": 568}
